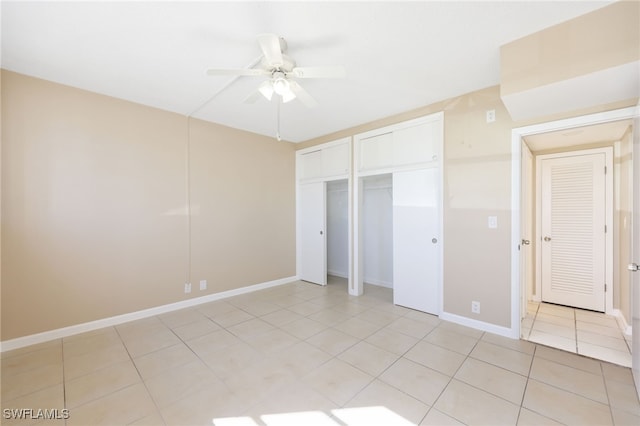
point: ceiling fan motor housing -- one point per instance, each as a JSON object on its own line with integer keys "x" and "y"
{"x": 288, "y": 65}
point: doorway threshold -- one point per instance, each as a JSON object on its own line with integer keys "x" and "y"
{"x": 592, "y": 334}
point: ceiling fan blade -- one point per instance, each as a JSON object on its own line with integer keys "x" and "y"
{"x": 240, "y": 72}
{"x": 253, "y": 97}
{"x": 302, "y": 94}
{"x": 319, "y": 72}
{"x": 288, "y": 96}
{"x": 270, "y": 45}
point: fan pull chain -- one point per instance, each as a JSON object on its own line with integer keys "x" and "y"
{"x": 278, "y": 121}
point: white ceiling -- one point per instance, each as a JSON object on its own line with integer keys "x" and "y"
{"x": 398, "y": 55}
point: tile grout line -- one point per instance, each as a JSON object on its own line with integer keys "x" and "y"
{"x": 452, "y": 377}
{"x": 438, "y": 326}
{"x": 393, "y": 363}
{"x": 606, "y": 391}
{"x": 526, "y": 385}
{"x": 101, "y": 369}
{"x": 533, "y": 322}
{"x": 144, "y": 383}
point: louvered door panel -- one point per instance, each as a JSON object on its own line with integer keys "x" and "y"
{"x": 573, "y": 235}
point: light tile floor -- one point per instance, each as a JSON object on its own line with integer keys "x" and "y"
{"x": 579, "y": 331}
{"x": 301, "y": 354}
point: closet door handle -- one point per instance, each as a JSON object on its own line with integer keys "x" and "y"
{"x": 321, "y": 233}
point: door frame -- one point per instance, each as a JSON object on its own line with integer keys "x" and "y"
{"x": 608, "y": 152}
{"x": 527, "y": 263}
{"x": 517, "y": 136}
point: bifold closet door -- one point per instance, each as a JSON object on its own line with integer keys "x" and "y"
{"x": 313, "y": 250}
{"x": 416, "y": 235}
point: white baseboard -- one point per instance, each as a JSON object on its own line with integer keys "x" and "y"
{"x": 59, "y": 333}
{"x": 622, "y": 322}
{"x": 338, "y": 274}
{"x": 379, "y": 283}
{"x": 479, "y": 325}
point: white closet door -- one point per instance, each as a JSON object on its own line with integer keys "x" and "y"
{"x": 313, "y": 250}
{"x": 573, "y": 231}
{"x": 416, "y": 258}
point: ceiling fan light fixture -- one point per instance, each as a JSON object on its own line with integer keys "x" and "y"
{"x": 282, "y": 71}
{"x": 281, "y": 86}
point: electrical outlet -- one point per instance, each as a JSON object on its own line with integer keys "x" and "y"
{"x": 491, "y": 116}
{"x": 475, "y": 307}
{"x": 203, "y": 284}
{"x": 187, "y": 287}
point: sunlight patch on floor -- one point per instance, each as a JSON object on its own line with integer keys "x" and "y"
{"x": 350, "y": 416}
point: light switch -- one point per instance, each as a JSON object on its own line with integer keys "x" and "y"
{"x": 493, "y": 222}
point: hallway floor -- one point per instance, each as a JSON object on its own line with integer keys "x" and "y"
{"x": 588, "y": 333}
{"x": 302, "y": 354}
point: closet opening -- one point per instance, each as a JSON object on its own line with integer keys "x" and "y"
{"x": 337, "y": 216}
{"x": 377, "y": 230}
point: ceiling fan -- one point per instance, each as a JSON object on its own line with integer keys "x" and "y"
{"x": 282, "y": 72}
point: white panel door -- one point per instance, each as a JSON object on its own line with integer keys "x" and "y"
{"x": 573, "y": 231}
{"x": 313, "y": 248}
{"x": 635, "y": 273}
{"x": 416, "y": 253}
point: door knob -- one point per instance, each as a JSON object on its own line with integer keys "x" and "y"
{"x": 321, "y": 233}
{"x": 526, "y": 242}
{"x": 547, "y": 238}
{"x": 633, "y": 267}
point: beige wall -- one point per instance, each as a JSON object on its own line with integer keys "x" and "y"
{"x": 243, "y": 207}
{"x": 95, "y": 193}
{"x": 605, "y": 38}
